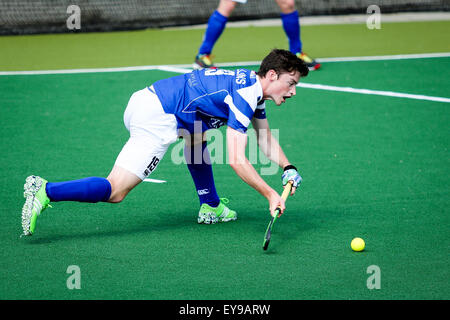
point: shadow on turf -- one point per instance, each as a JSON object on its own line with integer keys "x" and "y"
{"x": 286, "y": 230}
{"x": 176, "y": 220}
{"x": 289, "y": 229}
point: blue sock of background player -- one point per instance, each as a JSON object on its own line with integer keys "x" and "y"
{"x": 199, "y": 165}
{"x": 291, "y": 26}
{"x": 216, "y": 25}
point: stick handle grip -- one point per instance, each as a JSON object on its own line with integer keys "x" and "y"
{"x": 284, "y": 195}
{"x": 287, "y": 190}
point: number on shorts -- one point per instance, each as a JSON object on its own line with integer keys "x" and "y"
{"x": 151, "y": 166}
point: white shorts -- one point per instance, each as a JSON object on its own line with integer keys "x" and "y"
{"x": 152, "y": 131}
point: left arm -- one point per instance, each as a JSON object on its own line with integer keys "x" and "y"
{"x": 268, "y": 144}
{"x": 273, "y": 151}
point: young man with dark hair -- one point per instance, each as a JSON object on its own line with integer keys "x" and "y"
{"x": 188, "y": 105}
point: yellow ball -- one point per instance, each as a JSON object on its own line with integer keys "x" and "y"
{"x": 358, "y": 244}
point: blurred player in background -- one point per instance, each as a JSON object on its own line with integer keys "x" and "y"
{"x": 218, "y": 21}
{"x": 187, "y": 105}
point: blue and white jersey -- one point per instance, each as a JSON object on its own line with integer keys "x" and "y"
{"x": 212, "y": 97}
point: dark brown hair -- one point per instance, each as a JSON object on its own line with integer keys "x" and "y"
{"x": 282, "y": 61}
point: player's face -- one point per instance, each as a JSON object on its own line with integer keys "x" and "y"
{"x": 283, "y": 86}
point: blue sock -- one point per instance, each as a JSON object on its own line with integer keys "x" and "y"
{"x": 199, "y": 165}
{"x": 91, "y": 189}
{"x": 291, "y": 26}
{"x": 216, "y": 25}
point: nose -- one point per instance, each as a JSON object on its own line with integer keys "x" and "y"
{"x": 293, "y": 91}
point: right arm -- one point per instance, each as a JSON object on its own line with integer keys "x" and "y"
{"x": 236, "y": 144}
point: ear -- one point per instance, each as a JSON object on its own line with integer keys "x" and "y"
{"x": 272, "y": 75}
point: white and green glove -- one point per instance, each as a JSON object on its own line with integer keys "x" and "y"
{"x": 290, "y": 174}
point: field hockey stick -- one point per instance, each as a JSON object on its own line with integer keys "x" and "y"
{"x": 284, "y": 195}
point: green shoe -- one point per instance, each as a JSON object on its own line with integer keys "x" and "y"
{"x": 221, "y": 213}
{"x": 36, "y": 202}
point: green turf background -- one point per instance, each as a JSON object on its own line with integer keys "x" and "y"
{"x": 374, "y": 167}
{"x": 154, "y": 47}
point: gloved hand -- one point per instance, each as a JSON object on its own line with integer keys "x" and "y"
{"x": 290, "y": 174}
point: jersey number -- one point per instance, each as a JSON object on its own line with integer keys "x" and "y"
{"x": 219, "y": 72}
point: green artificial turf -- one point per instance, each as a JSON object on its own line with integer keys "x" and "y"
{"x": 154, "y": 47}
{"x": 374, "y": 167}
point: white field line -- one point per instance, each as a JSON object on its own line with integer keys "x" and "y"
{"x": 154, "y": 180}
{"x": 373, "y": 92}
{"x": 184, "y": 68}
{"x": 176, "y": 69}
{"x": 71, "y": 71}
{"x": 169, "y": 68}
{"x": 351, "y": 59}
{"x": 387, "y": 57}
